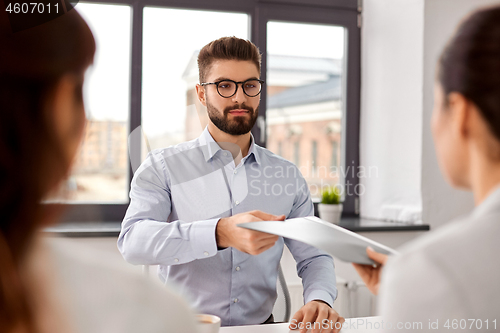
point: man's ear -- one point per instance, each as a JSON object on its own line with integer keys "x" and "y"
{"x": 200, "y": 92}
{"x": 460, "y": 109}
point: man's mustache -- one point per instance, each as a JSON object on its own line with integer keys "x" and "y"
{"x": 236, "y": 107}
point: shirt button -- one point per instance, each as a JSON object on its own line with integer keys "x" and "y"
{"x": 238, "y": 268}
{"x": 176, "y": 260}
{"x": 225, "y": 153}
{"x": 237, "y": 202}
{"x": 205, "y": 253}
{"x": 235, "y": 172}
{"x": 235, "y": 300}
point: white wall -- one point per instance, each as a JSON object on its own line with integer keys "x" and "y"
{"x": 440, "y": 201}
{"x": 391, "y": 107}
{"x": 401, "y": 43}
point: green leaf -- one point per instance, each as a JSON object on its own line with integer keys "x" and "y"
{"x": 330, "y": 195}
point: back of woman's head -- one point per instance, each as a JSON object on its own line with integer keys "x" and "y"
{"x": 32, "y": 161}
{"x": 470, "y": 65}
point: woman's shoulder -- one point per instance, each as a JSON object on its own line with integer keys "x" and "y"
{"x": 108, "y": 295}
{"x": 450, "y": 270}
{"x": 468, "y": 235}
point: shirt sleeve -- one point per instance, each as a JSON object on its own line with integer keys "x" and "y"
{"x": 146, "y": 236}
{"x": 314, "y": 266}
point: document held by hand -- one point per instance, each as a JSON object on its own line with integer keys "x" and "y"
{"x": 337, "y": 241}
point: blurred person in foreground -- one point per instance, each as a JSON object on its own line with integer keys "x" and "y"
{"x": 453, "y": 273}
{"x": 48, "y": 285}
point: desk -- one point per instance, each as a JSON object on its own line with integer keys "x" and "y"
{"x": 352, "y": 325}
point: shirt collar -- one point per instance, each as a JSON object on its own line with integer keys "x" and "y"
{"x": 210, "y": 146}
{"x": 253, "y": 150}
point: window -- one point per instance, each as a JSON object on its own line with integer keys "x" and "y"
{"x": 100, "y": 173}
{"x": 145, "y": 66}
{"x": 314, "y": 159}
{"x": 296, "y": 152}
{"x": 171, "y": 113}
{"x": 335, "y": 155}
{"x": 305, "y": 68}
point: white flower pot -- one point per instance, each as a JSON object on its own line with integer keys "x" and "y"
{"x": 330, "y": 213}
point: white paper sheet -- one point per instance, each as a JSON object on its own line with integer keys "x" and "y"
{"x": 337, "y": 241}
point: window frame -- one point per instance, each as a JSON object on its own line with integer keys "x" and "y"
{"x": 334, "y": 12}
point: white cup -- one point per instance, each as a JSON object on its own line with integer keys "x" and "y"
{"x": 208, "y": 323}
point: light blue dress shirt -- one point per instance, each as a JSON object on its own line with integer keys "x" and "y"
{"x": 177, "y": 197}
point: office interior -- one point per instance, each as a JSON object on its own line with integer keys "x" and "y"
{"x": 389, "y": 86}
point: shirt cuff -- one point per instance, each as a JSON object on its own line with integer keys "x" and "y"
{"x": 202, "y": 238}
{"x": 320, "y": 295}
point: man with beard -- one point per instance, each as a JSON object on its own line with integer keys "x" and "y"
{"x": 187, "y": 200}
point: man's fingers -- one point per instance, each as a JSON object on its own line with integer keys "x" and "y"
{"x": 309, "y": 317}
{"x": 337, "y": 324}
{"x": 379, "y": 258}
{"x": 322, "y": 315}
{"x": 259, "y": 237}
{"x": 333, "y": 322}
{"x": 267, "y": 217}
{"x": 256, "y": 242}
{"x": 296, "y": 319}
{"x": 264, "y": 248}
{"x": 269, "y": 239}
{"x": 263, "y": 235}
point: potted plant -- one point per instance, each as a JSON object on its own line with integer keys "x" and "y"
{"x": 330, "y": 207}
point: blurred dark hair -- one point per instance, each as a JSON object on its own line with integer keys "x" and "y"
{"x": 31, "y": 159}
{"x": 227, "y": 48}
{"x": 470, "y": 64}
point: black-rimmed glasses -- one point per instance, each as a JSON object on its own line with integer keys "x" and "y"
{"x": 227, "y": 88}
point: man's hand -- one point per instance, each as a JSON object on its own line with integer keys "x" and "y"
{"x": 371, "y": 273}
{"x": 228, "y": 234}
{"x": 318, "y": 316}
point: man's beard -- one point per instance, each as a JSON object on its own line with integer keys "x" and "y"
{"x": 239, "y": 125}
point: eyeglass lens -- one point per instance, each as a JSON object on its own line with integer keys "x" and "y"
{"x": 228, "y": 88}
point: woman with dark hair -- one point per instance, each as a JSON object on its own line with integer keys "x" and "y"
{"x": 47, "y": 287}
{"x": 451, "y": 276}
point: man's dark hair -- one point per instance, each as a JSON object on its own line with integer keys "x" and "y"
{"x": 227, "y": 48}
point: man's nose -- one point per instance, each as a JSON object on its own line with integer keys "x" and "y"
{"x": 240, "y": 96}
